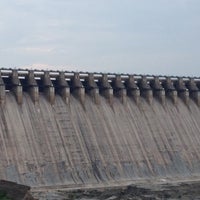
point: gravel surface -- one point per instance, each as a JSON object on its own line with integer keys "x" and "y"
{"x": 183, "y": 191}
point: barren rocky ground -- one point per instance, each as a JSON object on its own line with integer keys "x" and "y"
{"x": 183, "y": 191}
{"x": 13, "y": 191}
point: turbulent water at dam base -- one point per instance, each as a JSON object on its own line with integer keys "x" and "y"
{"x": 85, "y": 145}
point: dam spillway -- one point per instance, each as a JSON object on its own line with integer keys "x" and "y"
{"x": 75, "y": 129}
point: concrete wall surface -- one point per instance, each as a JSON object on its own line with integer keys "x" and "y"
{"x": 48, "y": 140}
{"x": 43, "y": 144}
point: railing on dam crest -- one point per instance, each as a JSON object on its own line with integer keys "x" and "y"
{"x": 108, "y": 85}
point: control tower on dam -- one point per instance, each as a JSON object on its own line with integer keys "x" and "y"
{"x": 61, "y": 128}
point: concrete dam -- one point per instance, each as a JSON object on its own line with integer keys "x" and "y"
{"x": 76, "y": 129}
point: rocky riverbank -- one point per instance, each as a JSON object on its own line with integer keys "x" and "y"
{"x": 186, "y": 191}
{"x": 13, "y": 191}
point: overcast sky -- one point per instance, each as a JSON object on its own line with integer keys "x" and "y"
{"x": 130, "y": 36}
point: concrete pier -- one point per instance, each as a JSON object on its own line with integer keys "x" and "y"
{"x": 119, "y": 89}
{"x": 158, "y": 90}
{"x": 48, "y": 87}
{"x": 92, "y": 88}
{"x": 32, "y": 86}
{"x": 183, "y": 92}
{"x": 170, "y": 89}
{"x": 132, "y": 89}
{"x": 16, "y": 86}
{"x": 193, "y": 91}
{"x": 77, "y": 88}
{"x": 2, "y": 91}
{"x": 105, "y": 88}
{"x": 145, "y": 89}
{"x": 63, "y": 87}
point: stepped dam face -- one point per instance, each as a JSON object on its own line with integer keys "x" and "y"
{"x": 76, "y": 129}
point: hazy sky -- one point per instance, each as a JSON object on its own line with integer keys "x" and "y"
{"x": 131, "y": 36}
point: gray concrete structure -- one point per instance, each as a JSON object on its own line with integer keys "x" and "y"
{"x": 69, "y": 129}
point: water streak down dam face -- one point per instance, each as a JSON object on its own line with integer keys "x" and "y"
{"x": 73, "y": 129}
